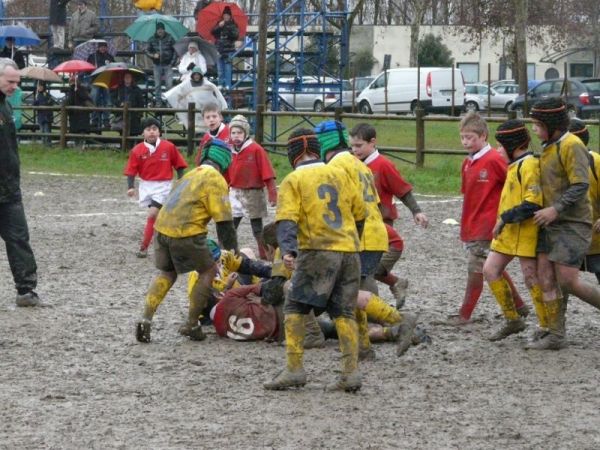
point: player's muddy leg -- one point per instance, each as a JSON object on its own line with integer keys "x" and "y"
{"x": 472, "y": 294}
{"x": 293, "y": 375}
{"x": 158, "y": 289}
{"x": 379, "y": 311}
{"x": 236, "y": 222}
{"x": 403, "y": 325}
{"x": 257, "y": 228}
{"x": 521, "y": 307}
{"x": 350, "y": 378}
{"x": 314, "y": 336}
{"x": 514, "y": 324}
{"x": 198, "y": 299}
{"x": 148, "y": 232}
{"x": 537, "y": 298}
{"x": 365, "y": 350}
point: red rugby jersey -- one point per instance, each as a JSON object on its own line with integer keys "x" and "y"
{"x": 156, "y": 166}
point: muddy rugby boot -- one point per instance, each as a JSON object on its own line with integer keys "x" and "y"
{"x": 142, "y": 330}
{"x": 367, "y": 354}
{"x": 29, "y": 299}
{"x": 523, "y": 311}
{"x": 550, "y": 341}
{"x": 509, "y": 327}
{"x": 398, "y": 290}
{"x": 286, "y": 379}
{"x": 403, "y": 333}
{"x": 142, "y": 253}
{"x": 351, "y": 382}
{"x": 194, "y": 333}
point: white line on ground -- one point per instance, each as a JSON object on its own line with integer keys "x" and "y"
{"x": 99, "y": 214}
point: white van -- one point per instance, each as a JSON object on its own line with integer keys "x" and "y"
{"x": 435, "y": 91}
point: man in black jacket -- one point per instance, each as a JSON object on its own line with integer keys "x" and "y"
{"x": 226, "y": 32}
{"x": 57, "y": 17}
{"x": 100, "y": 95}
{"x": 162, "y": 52}
{"x": 13, "y": 224}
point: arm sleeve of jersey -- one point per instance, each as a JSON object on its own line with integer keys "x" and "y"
{"x": 394, "y": 181}
{"x": 271, "y": 291}
{"x": 287, "y": 237}
{"x": 177, "y": 159}
{"x": 131, "y": 168}
{"x": 520, "y": 212}
{"x": 254, "y": 267}
{"x": 130, "y": 181}
{"x": 227, "y": 235}
{"x": 264, "y": 165}
{"x": 572, "y": 195}
{"x": 411, "y": 203}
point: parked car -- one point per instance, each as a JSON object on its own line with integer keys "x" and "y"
{"x": 582, "y": 96}
{"x": 476, "y": 98}
{"x": 308, "y": 93}
{"x": 435, "y": 90}
{"x": 501, "y": 97}
{"x": 530, "y": 83}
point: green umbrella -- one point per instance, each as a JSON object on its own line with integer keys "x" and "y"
{"x": 144, "y": 27}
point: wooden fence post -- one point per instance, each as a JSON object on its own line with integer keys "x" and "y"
{"x": 191, "y": 128}
{"x": 420, "y": 141}
{"x": 259, "y": 132}
{"x": 125, "y": 128}
{"x": 63, "y": 126}
{"x": 338, "y": 113}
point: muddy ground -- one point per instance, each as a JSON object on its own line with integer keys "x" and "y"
{"x": 73, "y": 376}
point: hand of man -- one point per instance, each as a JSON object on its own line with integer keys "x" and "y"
{"x": 498, "y": 228}
{"x": 289, "y": 261}
{"x": 421, "y": 219}
{"x": 190, "y": 66}
{"x": 545, "y": 216}
{"x": 130, "y": 192}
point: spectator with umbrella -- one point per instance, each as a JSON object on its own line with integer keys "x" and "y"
{"x": 191, "y": 59}
{"x": 78, "y": 95}
{"x": 226, "y": 32}
{"x": 57, "y": 16}
{"x": 11, "y": 52}
{"x": 100, "y": 95}
{"x": 162, "y": 53}
{"x": 84, "y": 24}
{"x": 128, "y": 92}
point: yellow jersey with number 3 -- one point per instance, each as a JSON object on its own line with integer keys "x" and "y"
{"x": 324, "y": 203}
{"x": 199, "y": 196}
{"x": 374, "y": 237}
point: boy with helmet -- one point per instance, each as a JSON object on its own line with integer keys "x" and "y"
{"x": 565, "y": 220}
{"x": 334, "y": 141}
{"x": 319, "y": 218}
{"x": 515, "y": 233}
{"x": 181, "y": 247}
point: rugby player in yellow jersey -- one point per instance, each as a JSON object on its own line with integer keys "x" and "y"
{"x": 319, "y": 218}
{"x": 197, "y": 198}
{"x": 334, "y": 140}
{"x": 592, "y": 259}
{"x": 565, "y": 220}
{"x": 515, "y": 233}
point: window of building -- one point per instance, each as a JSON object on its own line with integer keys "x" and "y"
{"x": 470, "y": 71}
{"x": 581, "y": 70}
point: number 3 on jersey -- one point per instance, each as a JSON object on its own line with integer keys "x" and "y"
{"x": 330, "y": 193}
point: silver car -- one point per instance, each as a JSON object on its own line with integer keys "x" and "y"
{"x": 500, "y": 97}
{"x": 308, "y": 94}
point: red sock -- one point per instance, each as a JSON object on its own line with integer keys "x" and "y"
{"x": 388, "y": 279}
{"x": 517, "y": 299}
{"x": 148, "y": 232}
{"x": 472, "y": 294}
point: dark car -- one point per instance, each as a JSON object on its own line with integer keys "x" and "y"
{"x": 582, "y": 96}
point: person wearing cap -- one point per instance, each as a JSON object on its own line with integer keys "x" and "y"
{"x": 84, "y": 24}
{"x": 335, "y": 145}
{"x": 10, "y": 51}
{"x": 226, "y": 32}
{"x": 181, "y": 246}
{"x": 101, "y": 95}
{"x": 161, "y": 50}
{"x": 592, "y": 258}
{"x": 190, "y": 60}
{"x": 515, "y": 234}
{"x": 250, "y": 172}
{"x": 320, "y": 217}
{"x": 153, "y": 160}
{"x": 565, "y": 220}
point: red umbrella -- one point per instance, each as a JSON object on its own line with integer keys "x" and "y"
{"x": 74, "y": 66}
{"x": 212, "y": 14}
